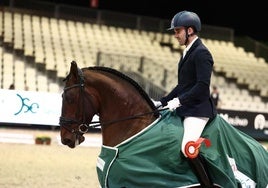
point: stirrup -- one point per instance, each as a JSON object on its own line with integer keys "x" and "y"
{"x": 192, "y": 148}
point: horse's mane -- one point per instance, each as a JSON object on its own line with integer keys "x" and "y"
{"x": 128, "y": 79}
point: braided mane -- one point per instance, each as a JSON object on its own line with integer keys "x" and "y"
{"x": 128, "y": 79}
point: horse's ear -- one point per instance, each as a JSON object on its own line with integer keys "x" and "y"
{"x": 74, "y": 69}
{"x": 73, "y": 66}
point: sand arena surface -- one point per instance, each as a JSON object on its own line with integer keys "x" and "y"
{"x": 50, "y": 166}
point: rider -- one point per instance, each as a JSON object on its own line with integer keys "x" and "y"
{"x": 191, "y": 96}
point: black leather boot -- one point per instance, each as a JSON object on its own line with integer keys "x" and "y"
{"x": 199, "y": 168}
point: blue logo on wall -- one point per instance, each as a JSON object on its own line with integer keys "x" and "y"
{"x": 30, "y": 107}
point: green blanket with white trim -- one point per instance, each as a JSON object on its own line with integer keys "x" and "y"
{"x": 152, "y": 158}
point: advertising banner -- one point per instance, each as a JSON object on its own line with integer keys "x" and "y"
{"x": 252, "y": 123}
{"x": 27, "y": 107}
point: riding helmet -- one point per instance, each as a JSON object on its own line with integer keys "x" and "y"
{"x": 186, "y": 19}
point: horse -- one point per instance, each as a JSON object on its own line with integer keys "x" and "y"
{"x": 141, "y": 144}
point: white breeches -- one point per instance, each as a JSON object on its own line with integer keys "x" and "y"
{"x": 193, "y": 128}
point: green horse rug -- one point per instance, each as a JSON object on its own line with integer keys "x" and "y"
{"x": 152, "y": 158}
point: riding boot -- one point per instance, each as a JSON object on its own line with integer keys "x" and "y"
{"x": 199, "y": 168}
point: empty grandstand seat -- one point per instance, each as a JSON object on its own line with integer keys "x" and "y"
{"x": 7, "y": 28}
{"x": 56, "y": 42}
{"x": 18, "y": 38}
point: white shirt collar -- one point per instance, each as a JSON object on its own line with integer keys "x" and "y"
{"x": 189, "y": 46}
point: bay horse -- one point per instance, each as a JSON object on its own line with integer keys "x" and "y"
{"x": 141, "y": 144}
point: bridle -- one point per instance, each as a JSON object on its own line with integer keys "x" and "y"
{"x": 83, "y": 126}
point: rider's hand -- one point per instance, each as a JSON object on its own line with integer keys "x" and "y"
{"x": 157, "y": 104}
{"x": 173, "y": 104}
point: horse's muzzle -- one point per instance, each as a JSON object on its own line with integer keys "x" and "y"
{"x": 74, "y": 141}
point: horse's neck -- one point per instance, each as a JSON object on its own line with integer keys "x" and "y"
{"x": 128, "y": 116}
{"x": 123, "y": 105}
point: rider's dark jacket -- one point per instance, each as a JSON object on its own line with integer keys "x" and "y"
{"x": 193, "y": 88}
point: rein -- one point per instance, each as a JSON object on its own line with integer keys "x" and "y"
{"x": 95, "y": 124}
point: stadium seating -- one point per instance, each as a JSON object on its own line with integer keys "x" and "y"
{"x": 53, "y": 43}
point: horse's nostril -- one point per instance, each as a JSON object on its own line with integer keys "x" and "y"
{"x": 65, "y": 141}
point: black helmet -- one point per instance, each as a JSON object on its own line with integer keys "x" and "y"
{"x": 186, "y": 19}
